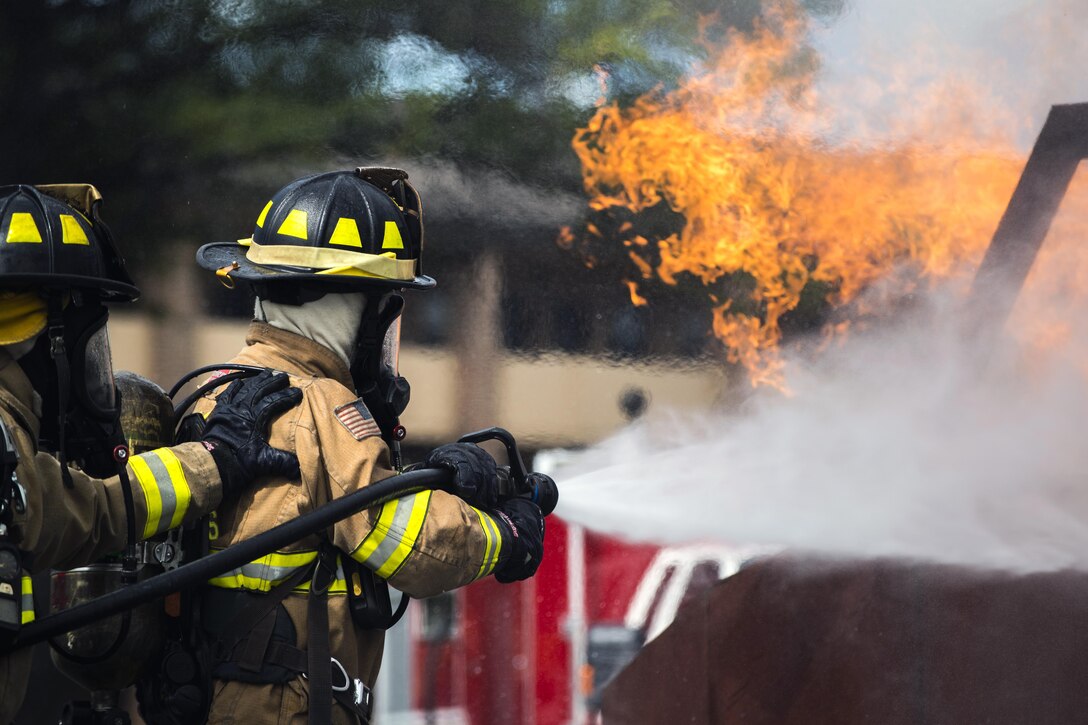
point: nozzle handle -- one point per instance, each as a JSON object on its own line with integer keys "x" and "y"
{"x": 517, "y": 466}
{"x": 516, "y": 480}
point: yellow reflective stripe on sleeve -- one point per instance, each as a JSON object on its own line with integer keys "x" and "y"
{"x": 166, "y": 492}
{"x": 377, "y": 534}
{"x": 27, "y": 600}
{"x": 182, "y": 493}
{"x": 492, "y": 543}
{"x": 146, "y": 479}
{"x": 394, "y": 535}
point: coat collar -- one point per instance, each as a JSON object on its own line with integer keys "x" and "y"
{"x": 275, "y": 348}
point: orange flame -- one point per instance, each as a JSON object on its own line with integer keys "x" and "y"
{"x": 636, "y": 299}
{"x": 740, "y": 151}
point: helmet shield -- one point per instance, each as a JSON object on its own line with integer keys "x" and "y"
{"x": 391, "y": 348}
{"x": 85, "y": 400}
{"x": 93, "y": 380}
{"x": 344, "y": 230}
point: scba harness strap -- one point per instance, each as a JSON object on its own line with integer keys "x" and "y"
{"x": 16, "y": 607}
{"x": 255, "y": 641}
{"x": 252, "y": 634}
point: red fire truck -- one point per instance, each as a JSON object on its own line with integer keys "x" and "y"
{"x": 537, "y": 653}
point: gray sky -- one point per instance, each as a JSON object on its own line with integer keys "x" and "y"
{"x": 1029, "y": 54}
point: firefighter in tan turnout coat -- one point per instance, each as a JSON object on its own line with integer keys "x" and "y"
{"x": 326, "y": 257}
{"x": 58, "y": 267}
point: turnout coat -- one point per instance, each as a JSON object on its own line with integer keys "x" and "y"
{"x": 63, "y": 528}
{"x": 423, "y": 544}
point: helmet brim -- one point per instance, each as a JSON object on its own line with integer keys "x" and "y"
{"x": 218, "y": 255}
{"x": 107, "y": 290}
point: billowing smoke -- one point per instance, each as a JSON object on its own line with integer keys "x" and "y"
{"x": 903, "y": 441}
{"x": 917, "y": 436}
{"x": 1024, "y": 55}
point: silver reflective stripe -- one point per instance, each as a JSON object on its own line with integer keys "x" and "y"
{"x": 492, "y": 543}
{"x": 263, "y": 576}
{"x": 166, "y": 489}
{"x": 398, "y": 528}
{"x": 27, "y": 600}
{"x": 267, "y": 571}
{"x": 491, "y": 555}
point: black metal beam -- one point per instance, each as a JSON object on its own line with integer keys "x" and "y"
{"x": 1062, "y": 144}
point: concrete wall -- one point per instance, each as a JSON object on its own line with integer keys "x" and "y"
{"x": 546, "y": 401}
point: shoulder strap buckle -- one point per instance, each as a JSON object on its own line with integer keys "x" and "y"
{"x": 324, "y": 570}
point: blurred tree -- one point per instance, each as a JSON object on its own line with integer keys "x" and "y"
{"x": 165, "y": 103}
{"x": 186, "y": 112}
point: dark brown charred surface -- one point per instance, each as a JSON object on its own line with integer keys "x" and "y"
{"x": 795, "y": 642}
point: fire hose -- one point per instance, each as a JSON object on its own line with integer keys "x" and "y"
{"x": 538, "y": 488}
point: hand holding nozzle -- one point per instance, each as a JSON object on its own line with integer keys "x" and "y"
{"x": 515, "y": 480}
{"x": 537, "y": 487}
{"x": 516, "y": 499}
{"x": 475, "y": 477}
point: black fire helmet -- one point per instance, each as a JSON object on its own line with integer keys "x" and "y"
{"x": 342, "y": 231}
{"x": 52, "y": 237}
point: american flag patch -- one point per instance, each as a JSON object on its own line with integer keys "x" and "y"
{"x": 216, "y": 375}
{"x": 357, "y": 419}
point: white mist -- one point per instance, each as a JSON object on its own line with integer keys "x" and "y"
{"x": 903, "y": 441}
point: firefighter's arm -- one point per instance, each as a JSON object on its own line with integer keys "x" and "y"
{"x": 429, "y": 543}
{"x": 72, "y": 526}
{"x": 424, "y": 543}
{"x": 68, "y": 527}
{"x": 433, "y": 541}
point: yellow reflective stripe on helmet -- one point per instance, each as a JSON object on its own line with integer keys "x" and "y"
{"x": 492, "y": 543}
{"x": 23, "y": 228}
{"x": 295, "y": 224}
{"x": 346, "y": 233}
{"x": 270, "y": 570}
{"x": 71, "y": 231}
{"x": 165, "y": 489}
{"x": 385, "y": 266}
{"x": 394, "y": 535}
{"x": 264, "y": 213}
{"x": 391, "y": 238}
{"x": 27, "y": 599}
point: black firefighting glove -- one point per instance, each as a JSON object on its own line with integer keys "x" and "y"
{"x": 521, "y": 525}
{"x": 475, "y": 474}
{"x": 236, "y": 432}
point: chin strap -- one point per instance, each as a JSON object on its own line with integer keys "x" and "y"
{"x": 58, "y": 351}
